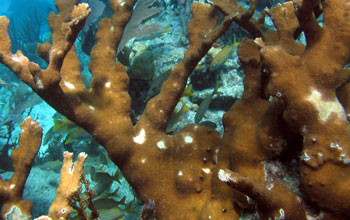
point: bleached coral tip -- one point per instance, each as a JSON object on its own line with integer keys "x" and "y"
{"x": 224, "y": 176}
{"x": 259, "y": 42}
{"x": 83, "y": 155}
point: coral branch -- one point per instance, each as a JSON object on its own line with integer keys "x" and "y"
{"x": 71, "y": 175}
{"x": 295, "y": 100}
{"x": 267, "y": 198}
{"x": 23, "y": 157}
{"x": 13, "y": 206}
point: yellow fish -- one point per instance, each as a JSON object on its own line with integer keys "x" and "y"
{"x": 73, "y": 130}
{"x": 188, "y": 91}
{"x": 176, "y": 116}
{"x": 221, "y": 57}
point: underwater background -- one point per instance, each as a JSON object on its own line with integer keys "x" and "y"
{"x": 148, "y": 55}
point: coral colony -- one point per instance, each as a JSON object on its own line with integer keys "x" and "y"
{"x": 296, "y": 103}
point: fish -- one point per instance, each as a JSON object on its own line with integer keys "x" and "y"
{"x": 74, "y": 131}
{"x": 111, "y": 214}
{"x": 54, "y": 166}
{"x": 220, "y": 58}
{"x": 208, "y": 124}
{"x": 153, "y": 30}
{"x": 64, "y": 124}
{"x": 176, "y": 116}
{"x": 156, "y": 84}
{"x": 108, "y": 208}
{"x": 103, "y": 179}
{"x": 188, "y": 91}
{"x": 203, "y": 107}
{"x": 2, "y": 82}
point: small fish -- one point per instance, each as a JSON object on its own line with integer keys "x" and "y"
{"x": 77, "y": 133}
{"x": 188, "y": 91}
{"x": 153, "y": 30}
{"x": 2, "y": 82}
{"x": 156, "y": 84}
{"x": 203, "y": 107}
{"x": 54, "y": 166}
{"x": 105, "y": 203}
{"x": 111, "y": 214}
{"x": 167, "y": 28}
{"x": 176, "y": 116}
{"x": 73, "y": 130}
{"x": 103, "y": 179}
{"x": 108, "y": 208}
{"x": 64, "y": 124}
{"x": 221, "y": 57}
{"x": 208, "y": 124}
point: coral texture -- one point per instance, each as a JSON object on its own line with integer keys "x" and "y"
{"x": 296, "y": 98}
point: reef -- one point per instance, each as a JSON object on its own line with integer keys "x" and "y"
{"x": 295, "y": 101}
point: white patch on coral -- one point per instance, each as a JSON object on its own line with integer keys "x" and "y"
{"x": 336, "y": 145}
{"x": 70, "y": 170}
{"x": 319, "y": 155}
{"x": 12, "y": 186}
{"x": 269, "y": 186}
{"x": 15, "y": 213}
{"x": 19, "y": 57}
{"x": 82, "y": 155}
{"x": 206, "y": 170}
{"x": 15, "y": 58}
{"x": 69, "y": 85}
{"x": 161, "y": 145}
{"x": 188, "y": 139}
{"x": 259, "y": 42}
{"x": 325, "y": 108}
{"x": 108, "y": 84}
{"x": 39, "y": 84}
{"x": 345, "y": 159}
{"x": 180, "y": 173}
{"x": 305, "y": 156}
{"x": 141, "y": 137}
{"x": 223, "y": 176}
{"x": 282, "y": 215}
{"x": 121, "y": 2}
{"x": 43, "y": 217}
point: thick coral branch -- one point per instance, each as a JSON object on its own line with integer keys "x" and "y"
{"x": 71, "y": 175}
{"x": 244, "y": 18}
{"x": 202, "y": 33}
{"x": 23, "y": 157}
{"x": 30, "y": 72}
{"x": 13, "y": 206}
{"x": 313, "y": 110}
{"x": 270, "y": 205}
